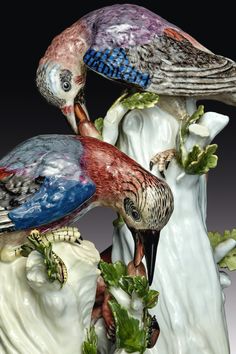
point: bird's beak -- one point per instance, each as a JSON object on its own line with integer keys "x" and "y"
{"x": 81, "y": 113}
{"x": 146, "y": 242}
{"x": 69, "y": 111}
{"x": 75, "y": 114}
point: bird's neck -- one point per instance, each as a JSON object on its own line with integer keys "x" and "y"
{"x": 109, "y": 168}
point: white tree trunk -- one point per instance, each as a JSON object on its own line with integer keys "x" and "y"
{"x": 39, "y": 317}
{"x": 190, "y": 310}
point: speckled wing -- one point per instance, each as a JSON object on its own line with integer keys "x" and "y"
{"x": 41, "y": 181}
{"x": 14, "y": 191}
{"x": 179, "y": 66}
{"x": 27, "y": 203}
{"x": 169, "y": 63}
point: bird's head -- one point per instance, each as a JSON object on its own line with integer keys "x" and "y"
{"x": 146, "y": 211}
{"x": 144, "y": 201}
{"x": 63, "y": 86}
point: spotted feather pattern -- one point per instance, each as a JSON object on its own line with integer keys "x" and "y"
{"x": 14, "y": 190}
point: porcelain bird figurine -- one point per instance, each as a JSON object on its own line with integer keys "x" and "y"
{"x": 132, "y": 45}
{"x": 52, "y": 180}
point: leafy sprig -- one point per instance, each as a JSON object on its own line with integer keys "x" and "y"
{"x": 198, "y": 160}
{"x": 90, "y": 343}
{"x": 229, "y": 261}
{"x": 99, "y": 124}
{"x": 131, "y": 334}
{"x": 112, "y": 273}
{"x": 140, "y": 286}
{"x": 140, "y": 100}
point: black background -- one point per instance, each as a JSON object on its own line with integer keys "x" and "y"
{"x": 27, "y": 28}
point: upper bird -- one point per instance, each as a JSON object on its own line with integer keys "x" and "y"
{"x": 133, "y": 45}
{"x": 51, "y": 180}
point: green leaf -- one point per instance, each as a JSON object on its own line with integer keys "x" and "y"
{"x": 151, "y": 298}
{"x": 116, "y": 275}
{"x": 180, "y": 154}
{"x": 136, "y": 283}
{"x": 140, "y": 100}
{"x": 193, "y": 155}
{"x": 129, "y": 335}
{"x": 195, "y": 117}
{"x": 99, "y": 124}
{"x": 215, "y": 238}
{"x": 119, "y": 221}
{"x": 112, "y": 273}
{"x": 90, "y": 343}
{"x": 140, "y": 286}
{"x": 200, "y": 161}
{"x": 229, "y": 261}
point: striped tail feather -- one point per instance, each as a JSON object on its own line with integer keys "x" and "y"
{"x": 6, "y": 224}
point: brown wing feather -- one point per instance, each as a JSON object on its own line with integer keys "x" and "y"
{"x": 178, "y": 67}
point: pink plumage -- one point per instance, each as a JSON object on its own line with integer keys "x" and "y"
{"x": 138, "y": 48}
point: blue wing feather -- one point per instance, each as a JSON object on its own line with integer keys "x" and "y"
{"x": 56, "y": 198}
{"x": 42, "y": 181}
{"x": 114, "y": 64}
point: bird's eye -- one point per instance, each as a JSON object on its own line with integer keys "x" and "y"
{"x": 135, "y": 215}
{"x": 66, "y": 78}
{"x": 66, "y": 86}
{"x": 131, "y": 210}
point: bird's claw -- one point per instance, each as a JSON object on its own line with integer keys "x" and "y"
{"x": 63, "y": 234}
{"x": 56, "y": 268}
{"x": 111, "y": 333}
{"x": 153, "y": 332}
{"x": 162, "y": 160}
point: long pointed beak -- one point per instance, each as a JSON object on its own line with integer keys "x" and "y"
{"x": 69, "y": 111}
{"x": 75, "y": 114}
{"x": 150, "y": 240}
{"x": 146, "y": 242}
{"x": 81, "y": 113}
{"x": 84, "y": 125}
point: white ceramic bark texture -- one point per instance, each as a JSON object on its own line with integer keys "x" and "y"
{"x": 39, "y": 317}
{"x": 190, "y": 310}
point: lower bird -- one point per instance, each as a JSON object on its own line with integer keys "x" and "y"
{"x": 52, "y": 180}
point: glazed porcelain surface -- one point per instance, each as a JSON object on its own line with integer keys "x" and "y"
{"x": 155, "y": 178}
